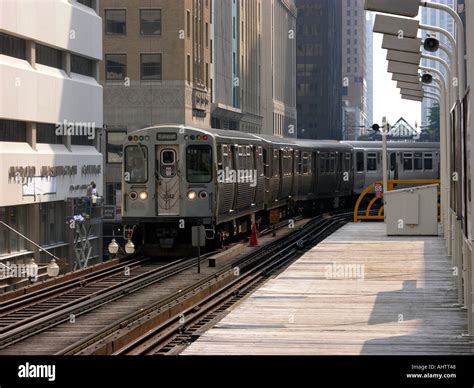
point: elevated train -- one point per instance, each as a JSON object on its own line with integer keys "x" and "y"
{"x": 176, "y": 177}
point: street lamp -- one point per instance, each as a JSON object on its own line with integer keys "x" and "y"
{"x": 52, "y": 269}
{"x": 114, "y": 247}
{"x": 130, "y": 247}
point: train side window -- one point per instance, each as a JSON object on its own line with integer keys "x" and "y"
{"x": 332, "y": 162}
{"x": 347, "y": 162}
{"x": 360, "y": 162}
{"x": 418, "y": 159}
{"x": 322, "y": 162}
{"x": 371, "y": 161}
{"x": 428, "y": 161}
{"x": 240, "y": 150}
{"x": 407, "y": 161}
{"x": 305, "y": 164}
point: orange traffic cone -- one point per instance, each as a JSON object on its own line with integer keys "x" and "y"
{"x": 253, "y": 236}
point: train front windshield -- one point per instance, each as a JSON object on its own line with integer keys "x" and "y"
{"x": 199, "y": 164}
{"x": 136, "y": 164}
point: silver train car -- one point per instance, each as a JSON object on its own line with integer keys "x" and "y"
{"x": 177, "y": 177}
{"x": 407, "y": 161}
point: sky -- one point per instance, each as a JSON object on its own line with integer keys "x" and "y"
{"x": 387, "y": 98}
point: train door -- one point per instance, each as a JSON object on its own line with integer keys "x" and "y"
{"x": 167, "y": 180}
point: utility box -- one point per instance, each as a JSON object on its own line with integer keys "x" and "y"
{"x": 412, "y": 211}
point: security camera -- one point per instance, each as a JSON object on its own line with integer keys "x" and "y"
{"x": 431, "y": 44}
{"x": 427, "y": 78}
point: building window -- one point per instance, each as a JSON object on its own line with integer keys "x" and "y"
{"x": 115, "y": 22}
{"x": 113, "y": 193}
{"x": 16, "y": 217}
{"x": 115, "y": 66}
{"x": 46, "y": 133}
{"x": 188, "y": 68}
{"x": 188, "y": 24}
{"x": 49, "y": 56}
{"x": 150, "y": 65}
{"x": 88, "y": 3}
{"x": 150, "y": 21}
{"x": 52, "y": 218}
{"x": 83, "y": 140}
{"x": 81, "y": 65}
{"x": 12, "y": 46}
{"x": 13, "y": 131}
{"x": 115, "y": 142}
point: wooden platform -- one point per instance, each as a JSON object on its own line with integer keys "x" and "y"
{"x": 358, "y": 292}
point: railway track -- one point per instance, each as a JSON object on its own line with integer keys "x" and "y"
{"x": 67, "y": 301}
{"x": 169, "y": 325}
{"x": 106, "y": 319}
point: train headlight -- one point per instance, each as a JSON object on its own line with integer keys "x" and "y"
{"x": 143, "y": 195}
{"x": 203, "y": 194}
{"x": 192, "y": 195}
{"x": 133, "y": 195}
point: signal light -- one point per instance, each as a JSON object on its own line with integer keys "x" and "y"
{"x": 205, "y": 137}
{"x": 130, "y": 138}
{"x": 193, "y": 137}
{"x": 143, "y": 195}
{"x": 135, "y": 138}
{"x": 203, "y": 194}
{"x": 192, "y": 195}
{"x": 199, "y": 137}
{"x": 133, "y": 195}
{"x": 141, "y": 138}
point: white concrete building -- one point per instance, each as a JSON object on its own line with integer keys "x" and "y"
{"x": 50, "y": 119}
{"x": 279, "y": 68}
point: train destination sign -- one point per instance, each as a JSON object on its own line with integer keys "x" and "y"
{"x": 166, "y": 136}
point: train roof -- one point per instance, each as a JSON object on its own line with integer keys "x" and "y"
{"x": 393, "y": 144}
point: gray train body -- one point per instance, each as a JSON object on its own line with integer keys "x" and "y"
{"x": 176, "y": 177}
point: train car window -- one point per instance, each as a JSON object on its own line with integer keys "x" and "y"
{"x": 407, "y": 161}
{"x": 240, "y": 150}
{"x": 136, "y": 164}
{"x": 418, "y": 161}
{"x": 305, "y": 164}
{"x": 199, "y": 164}
{"x": 332, "y": 162}
{"x": 360, "y": 162}
{"x": 322, "y": 162}
{"x": 168, "y": 157}
{"x": 347, "y": 162}
{"x": 371, "y": 161}
{"x": 428, "y": 161}
{"x": 247, "y": 150}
